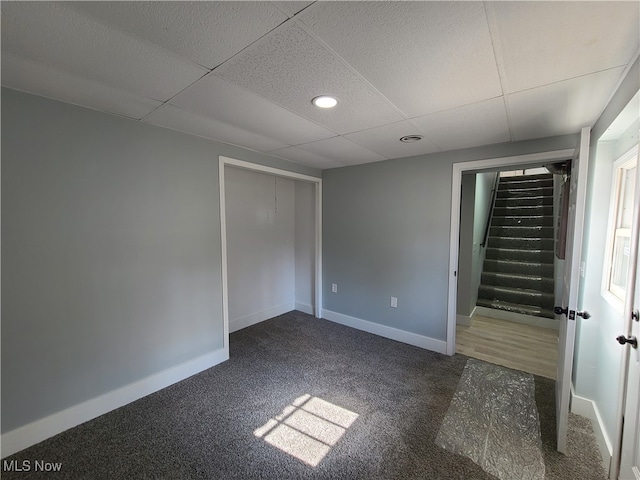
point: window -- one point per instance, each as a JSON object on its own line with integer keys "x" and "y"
{"x": 620, "y": 217}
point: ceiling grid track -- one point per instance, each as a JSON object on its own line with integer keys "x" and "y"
{"x": 497, "y": 53}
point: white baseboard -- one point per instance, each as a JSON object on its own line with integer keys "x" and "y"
{"x": 47, "y": 427}
{"x": 414, "y": 339}
{"x": 517, "y": 317}
{"x": 257, "y": 317}
{"x": 305, "y": 307}
{"x": 587, "y": 408}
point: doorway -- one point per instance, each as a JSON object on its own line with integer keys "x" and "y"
{"x": 315, "y": 205}
{"x": 507, "y": 268}
{"x": 496, "y": 164}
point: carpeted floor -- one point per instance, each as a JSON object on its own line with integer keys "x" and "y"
{"x": 300, "y": 398}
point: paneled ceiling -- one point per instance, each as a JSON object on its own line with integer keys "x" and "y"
{"x": 461, "y": 74}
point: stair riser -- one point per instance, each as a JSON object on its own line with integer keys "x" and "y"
{"x": 523, "y": 297}
{"x": 525, "y": 210}
{"x": 524, "y": 309}
{"x": 525, "y": 192}
{"x": 531, "y": 178}
{"x": 499, "y": 266}
{"x": 543, "y": 284}
{"x": 523, "y": 201}
{"x": 522, "y": 232}
{"x": 522, "y": 184}
{"x": 521, "y": 243}
{"x": 522, "y": 221}
{"x": 541, "y": 256}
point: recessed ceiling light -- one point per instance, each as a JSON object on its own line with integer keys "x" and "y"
{"x": 324, "y": 101}
{"x": 411, "y": 138}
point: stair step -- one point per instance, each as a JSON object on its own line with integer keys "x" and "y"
{"x": 506, "y": 192}
{"x": 533, "y": 282}
{"x": 519, "y": 296}
{"x": 518, "y": 273}
{"x": 526, "y": 182}
{"x": 511, "y": 307}
{"x": 521, "y": 243}
{"x": 523, "y": 201}
{"x": 524, "y": 268}
{"x": 520, "y": 254}
{"x": 522, "y": 210}
{"x": 521, "y": 232}
{"x": 522, "y": 220}
{"x": 520, "y": 178}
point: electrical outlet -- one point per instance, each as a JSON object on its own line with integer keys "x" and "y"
{"x": 334, "y": 287}
{"x": 394, "y": 302}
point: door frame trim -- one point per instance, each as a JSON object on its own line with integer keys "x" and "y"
{"x": 456, "y": 190}
{"x": 316, "y": 181}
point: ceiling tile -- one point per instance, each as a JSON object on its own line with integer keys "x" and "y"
{"x": 307, "y": 158}
{"x": 385, "y": 140}
{"x": 290, "y": 68}
{"x": 178, "y": 119}
{"x": 423, "y": 56}
{"x": 61, "y": 37}
{"x": 36, "y": 78}
{"x": 482, "y": 123}
{"x": 207, "y": 33}
{"x": 341, "y": 150}
{"x": 546, "y": 42}
{"x": 216, "y": 98}
{"x": 560, "y": 108}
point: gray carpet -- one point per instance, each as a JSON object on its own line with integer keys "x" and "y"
{"x": 374, "y": 408}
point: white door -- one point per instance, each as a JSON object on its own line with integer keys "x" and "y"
{"x": 630, "y": 448}
{"x": 566, "y": 336}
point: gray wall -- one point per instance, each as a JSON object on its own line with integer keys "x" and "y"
{"x": 597, "y": 369}
{"x": 474, "y": 212}
{"x": 467, "y": 252}
{"x": 585, "y": 338}
{"x": 597, "y": 356}
{"x": 386, "y": 232}
{"x": 260, "y": 246}
{"x": 270, "y": 246}
{"x": 110, "y": 252}
{"x": 484, "y": 187}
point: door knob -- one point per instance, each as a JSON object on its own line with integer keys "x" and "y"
{"x": 631, "y": 340}
{"x": 565, "y": 311}
{"x": 560, "y": 310}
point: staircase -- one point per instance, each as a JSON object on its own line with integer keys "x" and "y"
{"x": 518, "y": 268}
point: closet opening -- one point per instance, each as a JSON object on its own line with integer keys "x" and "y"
{"x": 271, "y": 232}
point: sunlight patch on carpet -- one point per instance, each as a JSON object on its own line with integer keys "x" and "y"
{"x": 493, "y": 420}
{"x": 307, "y": 429}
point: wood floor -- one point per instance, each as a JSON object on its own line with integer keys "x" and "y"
{"x": 514, "y": 345}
